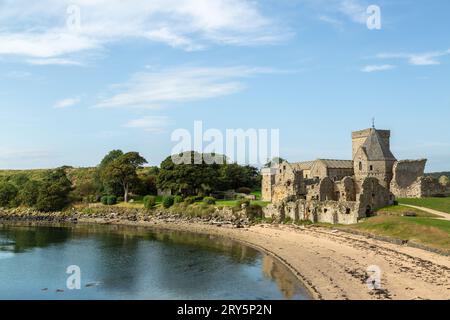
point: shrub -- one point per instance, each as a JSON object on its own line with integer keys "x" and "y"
{"x": 112, "y": 200}
{"x": 209, "y": 200}
{"x": 149, "y": 202}
{"x": 28, "y": 194}
{"x": 241, "y": 202}
{"x": 8, "y": 193}
{"x": 167, "y": 202}
{"x": 178, "y": 199}
{"x": 190, "y": 200}
{"x": 54, "y": 191}
{"x": 120, "y": 199}
{"x": 244, "y": 190}
{"x": 104, "y": 200}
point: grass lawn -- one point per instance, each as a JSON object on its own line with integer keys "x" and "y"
{"x": 428, "y": 231}
{"x": 440, "y": 204}
{"x": 232, "y": 203}
{"x": 402, "y": 210}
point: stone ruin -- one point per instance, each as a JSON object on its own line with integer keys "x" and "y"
{"x": 345, "y": 191}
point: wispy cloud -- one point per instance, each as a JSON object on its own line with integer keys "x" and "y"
{"x": 66, "y": 103}
{"x": 354, "y": 10}
{"x": 39, "y": 31}
{"x": 54, "y": 61}
{"x": 155, "y": 89}
{"x": 417, "y": 59}
{"x": 377, "y": 68}
{"x": 338, "y": 12}
{"x": 153, "y": 124}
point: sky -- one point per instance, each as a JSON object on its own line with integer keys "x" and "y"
{"x": 79, "y": 78}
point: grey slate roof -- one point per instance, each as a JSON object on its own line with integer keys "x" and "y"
{"x": 337, "y": 164}
{"x": 329, "y": 163}
{"x": 375, "y": 149}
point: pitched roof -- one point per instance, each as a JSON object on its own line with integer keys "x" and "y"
{"x": 376, "y": 149}
{"x": 305, "y": 165}
{"x": 337, "y": 164}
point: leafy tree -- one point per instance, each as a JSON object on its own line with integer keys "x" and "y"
{"x": 54, "y": 191}
{"x": 28, "y": 194}
{"x": 444, "y": 180}
{"x": 122, "y": 170}
{"x": 8, "y": 193}
{"x": 188, "y": 178}
{"x": 234, "y": 176}
{"x": 108, "y": 186}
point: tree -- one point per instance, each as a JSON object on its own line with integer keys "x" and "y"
{"x": 8, "y": 193}
{"x": 234, "y": 176}
{"x": 28, "y": 194}
{"x": 122, "y": 170}
{"x": 444, "y": 180}
{"x": 188, "y": 178}
{"x": 108, "y": 186}
{"x": 54, "y": 191}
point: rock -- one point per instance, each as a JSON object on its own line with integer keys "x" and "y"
{"x": 410, "y": 214}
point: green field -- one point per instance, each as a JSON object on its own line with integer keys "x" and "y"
{"x": 402, "y": 211}
{"x": 440, "y": 204}
{"x": 427, "y": 231}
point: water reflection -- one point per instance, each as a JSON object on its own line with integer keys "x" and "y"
{"x": 136, "y": 263}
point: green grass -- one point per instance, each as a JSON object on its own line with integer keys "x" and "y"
{"x": 233, "y": 203}
{"x": 402, "y": 210}
{"x": 427, "y": 231}
{"x": 440, "y": 204}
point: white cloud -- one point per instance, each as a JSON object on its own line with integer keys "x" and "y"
{"x": 153, "y": 124}
{"x": 332, "y": 21}
{"x": 354, "y": 10}
{"x": 417, "y": 59}
{"x": 54, "y": 61}
{"x": 154, "y": 89}
{"x": 38, "y": 30}
{"x": 377, "y": 68}
{"x": 66, "y": 103}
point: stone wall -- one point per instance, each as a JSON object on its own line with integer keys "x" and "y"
{"x": 333, "y": 212}
{"x": 407, "y": 179}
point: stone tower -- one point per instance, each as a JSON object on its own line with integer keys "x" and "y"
{"x": 372, "y": 156}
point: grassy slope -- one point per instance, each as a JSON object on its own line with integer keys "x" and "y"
{"x": 440, "y": 204}
{"x": 428, "y": 231}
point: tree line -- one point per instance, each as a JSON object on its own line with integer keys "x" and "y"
{"x": 120, "y": 177}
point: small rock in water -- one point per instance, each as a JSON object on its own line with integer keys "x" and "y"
{"x": 59, "y": 290}
{"x": 45, "y": 289}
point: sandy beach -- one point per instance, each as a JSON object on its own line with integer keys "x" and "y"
{"x": 332, "y": 264}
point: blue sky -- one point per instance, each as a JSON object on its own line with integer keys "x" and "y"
{"x": 132, "y": 72}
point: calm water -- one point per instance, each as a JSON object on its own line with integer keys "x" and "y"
{"x": 120, "y": 262}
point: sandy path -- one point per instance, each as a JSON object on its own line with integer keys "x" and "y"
{"x": 332, "y": 264}
{"x": 444, "y": 215}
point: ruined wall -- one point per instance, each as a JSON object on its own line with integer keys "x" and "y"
{"x": 333, "y": 212}
{"x": 268, "y": 180}
{"x": 373, "y": 196}
{"x": 406, "y": 181}
{"x": 288, "y": 183}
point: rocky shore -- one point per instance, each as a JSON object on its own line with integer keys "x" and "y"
{"x": 331, "y": 264}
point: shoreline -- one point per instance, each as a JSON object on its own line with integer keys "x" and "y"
{"x": 331, "y": 264}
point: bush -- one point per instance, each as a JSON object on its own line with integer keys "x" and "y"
{"x": 245, "y": 202}
{"x": 54, "y": 191}
{"x": 190, "y": 200}
{"x": 112, "y": 200}
{"x": 28, "y": 194}
{"x": 149, "y": 202}
{"x": 167, "y": 202}
{"x": 120, "y": 199}
{"x": 178, "y": 199}
{"x": 8, "y": 193}
{"x": 244, "y": 190}
{"x": 209, "y": 200}
{"x": 104, "y": 200}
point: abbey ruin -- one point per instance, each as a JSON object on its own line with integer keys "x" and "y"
{"x": 344, "y": 191}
